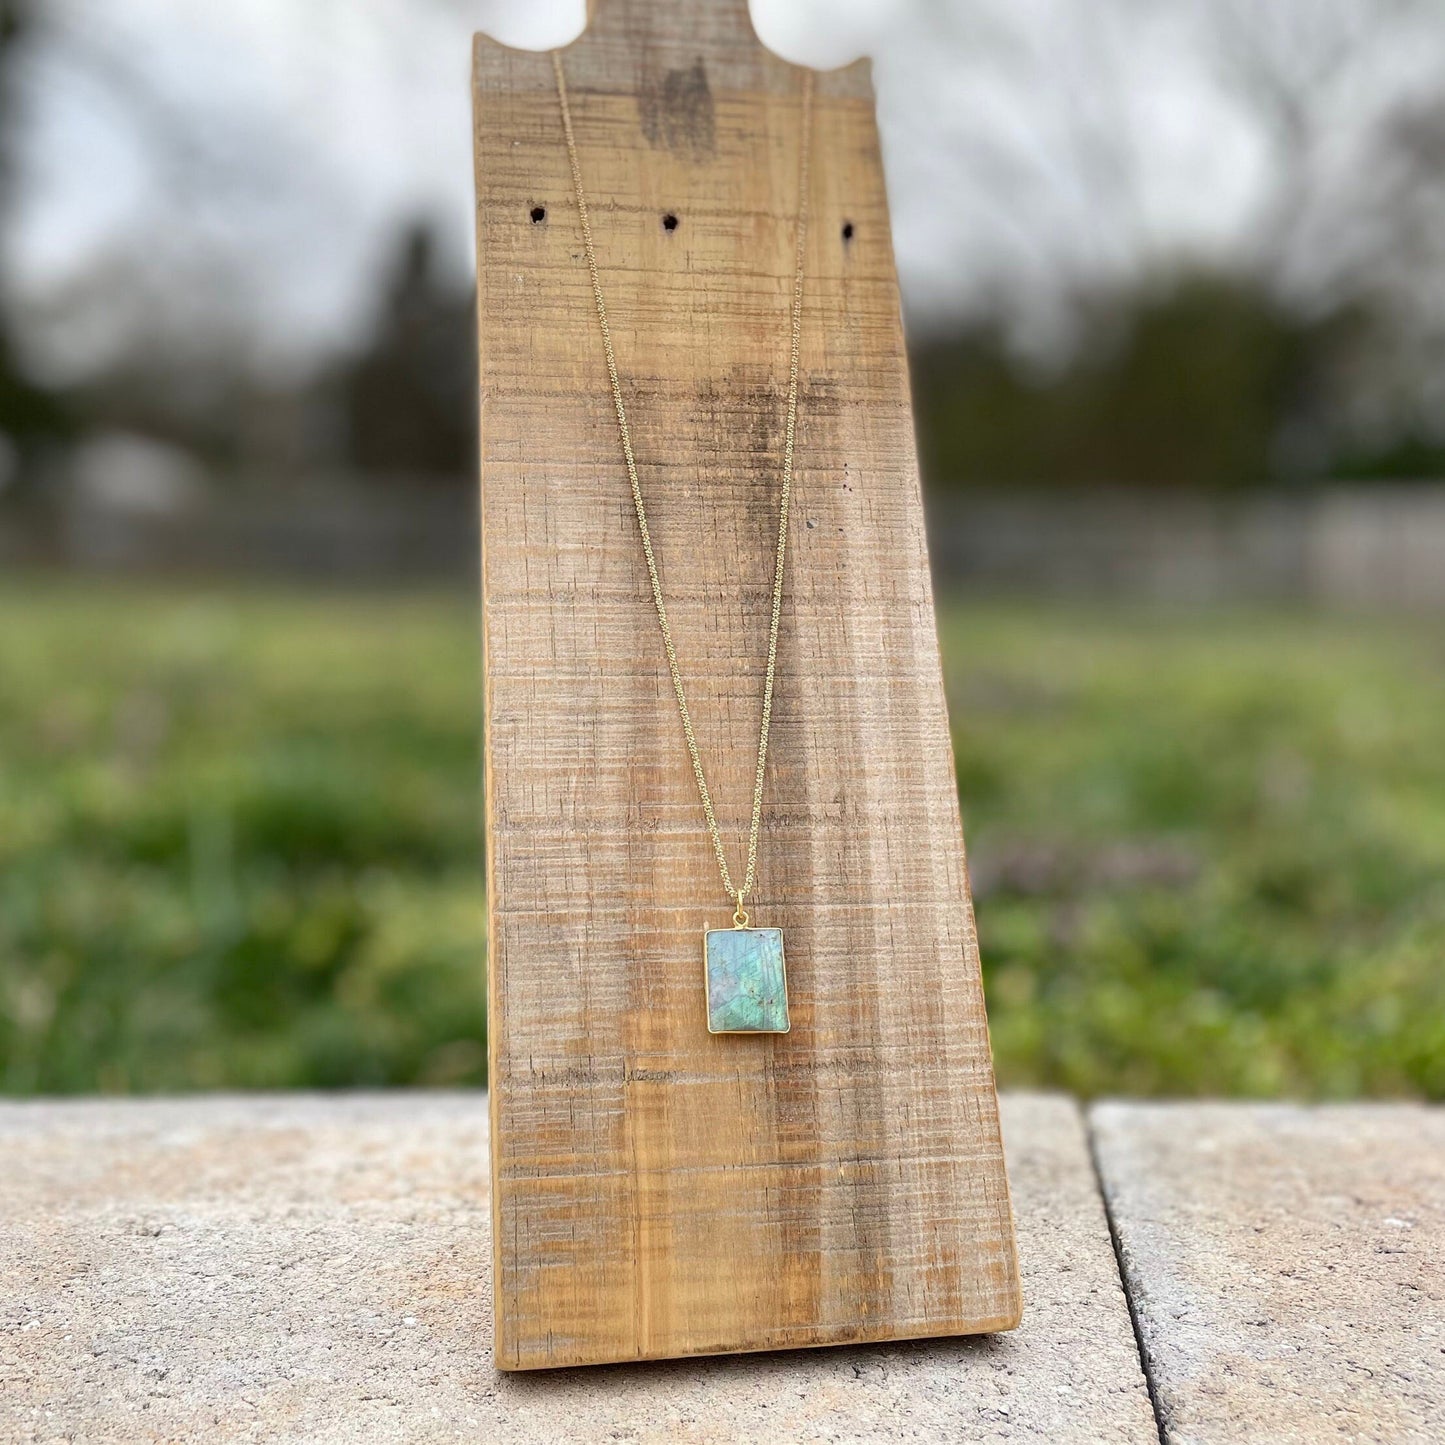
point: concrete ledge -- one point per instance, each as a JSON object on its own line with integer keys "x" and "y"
{"x": 1285, "y": 1265}
{"x": 316, "y": 1268}
{"x": 308, "y": 1268}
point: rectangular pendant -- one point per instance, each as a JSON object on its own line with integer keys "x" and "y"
{"x": 747, "y": 985}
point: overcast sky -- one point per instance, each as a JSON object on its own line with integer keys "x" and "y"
{"x": 200, "y": 166}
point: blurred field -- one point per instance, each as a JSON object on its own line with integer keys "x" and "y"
{"x": 239, "y": 843}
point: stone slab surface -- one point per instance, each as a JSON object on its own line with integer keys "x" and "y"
{"x": 289, "y": 1268}
{"x": 1287, "y": 1266}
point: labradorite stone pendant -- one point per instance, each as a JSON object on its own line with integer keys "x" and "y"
{"x": 747, "y": 986}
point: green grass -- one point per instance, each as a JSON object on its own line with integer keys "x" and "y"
{"x": 239, "y": 843}
{"x": 241, "y": 840}
{"x": 1210, "y": 850}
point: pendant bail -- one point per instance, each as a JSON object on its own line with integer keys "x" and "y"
{"x": 740, "y": 914}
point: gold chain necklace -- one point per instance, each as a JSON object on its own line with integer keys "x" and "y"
{"x": 743, "y": 967}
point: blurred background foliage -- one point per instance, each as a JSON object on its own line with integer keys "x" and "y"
{"x": 242, "y": 840}
{"x": 1191, "y": 386}
{"x": 242, "y": 843}
{"x": 1156, "y": 246}
{"x": 1152, "y": 251}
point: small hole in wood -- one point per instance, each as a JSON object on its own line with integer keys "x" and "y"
{"x": 847, "y": 230}
{"x": 539, "y": 213}
{"x": 669, "y": 222}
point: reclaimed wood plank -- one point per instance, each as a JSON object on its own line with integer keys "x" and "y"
{"x": 303, "y": 1267}
{"x": 660, "y": 1191}
{"x": 1286, "y": 1264}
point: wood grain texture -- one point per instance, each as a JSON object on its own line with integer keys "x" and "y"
{"x": 660, "y": 1191}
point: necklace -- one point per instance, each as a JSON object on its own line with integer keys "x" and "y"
{"x": 743, "y": 966}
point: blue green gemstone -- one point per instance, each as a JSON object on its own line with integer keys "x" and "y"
{"x": 747, "y": 990}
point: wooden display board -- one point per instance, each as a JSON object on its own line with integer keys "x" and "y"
{"x": 658, "y": 1190}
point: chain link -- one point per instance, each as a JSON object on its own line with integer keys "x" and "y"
{"x": 737, "y": 894}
